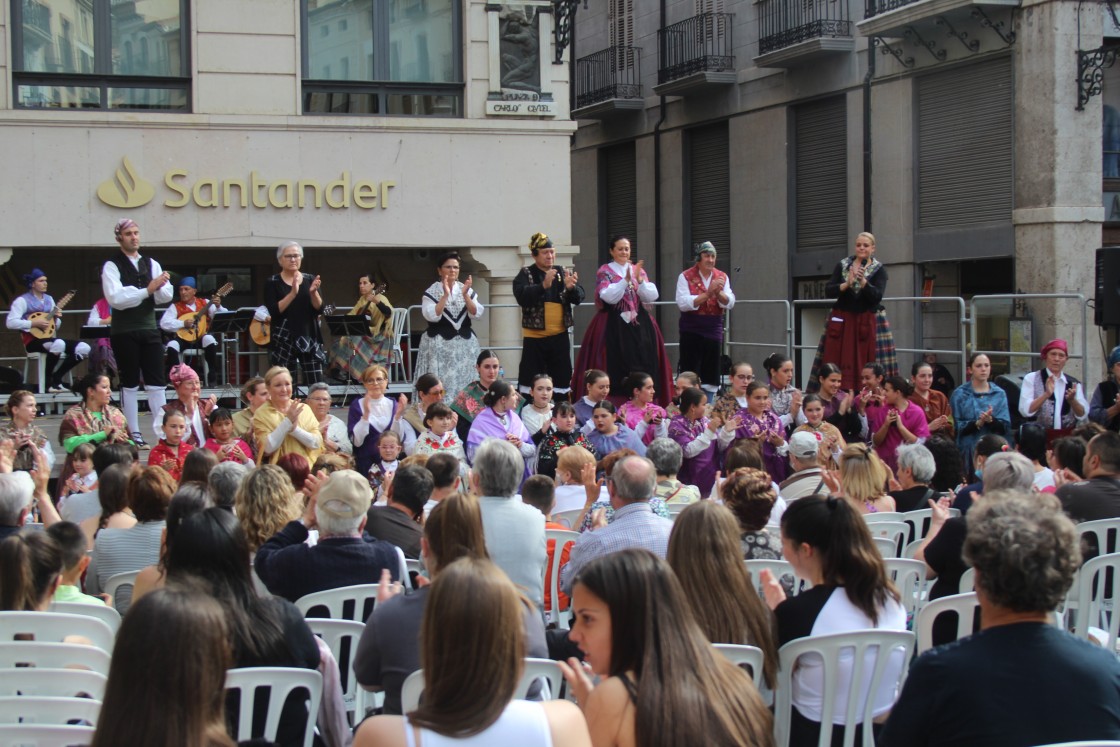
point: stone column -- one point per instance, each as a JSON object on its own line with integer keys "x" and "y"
{"x": 1058, "y": 211}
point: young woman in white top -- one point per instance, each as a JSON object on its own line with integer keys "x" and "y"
{"x": 469, "y": 690}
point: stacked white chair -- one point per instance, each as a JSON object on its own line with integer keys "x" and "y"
{"x": 279, "y": 682}
{"x": 53, "y": 627}
{"x": 965, "y": 605}
{"x": 343, "y": 603}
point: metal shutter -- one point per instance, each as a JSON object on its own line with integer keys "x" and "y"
{"x": 709, "y": 190}
{"x": 965, "y": 146}
{"x": 821, "y": 174}
{"x": 620, "y": 195}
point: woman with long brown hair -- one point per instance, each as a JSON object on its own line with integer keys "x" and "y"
{"x": 265, "y": 502}
{"x": 469, "y": 690}
{"x": 704, "y": 553}
{"x": 662, "y": 683}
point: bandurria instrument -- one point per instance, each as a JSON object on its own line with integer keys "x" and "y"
{"x": 48, "y": 333}
{"x": 200, "y": 320}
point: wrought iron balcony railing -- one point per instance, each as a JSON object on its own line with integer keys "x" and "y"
{"x": 698, "y": 44}
{"x": 783, "y": 23}
{"x": 875, "y": 7}
{"x": 611, "y": 73}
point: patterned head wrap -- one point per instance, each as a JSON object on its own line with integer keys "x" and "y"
{"x": 539, "y": 241}
{"x": 182, "y": 373}
{"x": 122, "y": 225}
{"x": 30, "y": 278}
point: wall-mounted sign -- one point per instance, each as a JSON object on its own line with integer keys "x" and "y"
{"x": 521, "y": 108}
{"x": 127, "y": 189}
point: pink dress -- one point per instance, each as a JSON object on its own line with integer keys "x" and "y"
{"x": 912, "y": 417}
{"x": 216, "y": 447}
{"x": 634, "y": 415}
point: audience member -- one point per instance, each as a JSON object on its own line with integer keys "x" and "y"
{"x": 540, "y": 492}
{"x": 667, "y": 457}
{"x": 191, "y": 498}
{"x": 398, "y": 522}
{"x": 514, "y": 531}
{"x": 597, "y": 498}
{"x": 1032, "y": 444}
{"x": 224, "y": 481}
{"x": 916, "y": 469}
{"x": 986, "y": 446}
{"x": 72, "y": 548}
{"x": 575, "y": 463}
{"x": 344, "y": 555}
{"x": 1018, "y": 666}
{"x": 81, "y": 506}
{"x": 634, "y": 524}
{"x": 863, "y": 479}
{"x": 390, "y": 646}
{"x": 1098, "y": 495}
{"x": 265, "y": 503}
{"x": 704, "y": 553}
{"x": 156, "y": 634}
{"x": 948, "y": 468}
{"x": 661, "y": 682}
{"x": 1067, "y": 458}
{"x": 470, "y": 691}
{"x": 331, "y": 463}
{"x": 30, "y": 571}
{"x": 296, "y": 467}
{"x": 446, "y": 479}
{"x": 198, "y": 465}
{"x": 804, "y": 459}
{"x": 112, "y": 492}
{"x": 750, "y": 495}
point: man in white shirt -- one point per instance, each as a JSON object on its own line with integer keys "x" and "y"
{"x": 1051, "y": 397}
{"x": 133, "y": 285}
{"x": 189, "y": 306}
{"x": 703, "y": 296}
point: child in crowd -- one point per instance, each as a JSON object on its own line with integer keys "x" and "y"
{"x": 641, "y": 415}
{"x": 381, "y": 471}
{"x": 609, "y": 434}
{"x": 762, "y": 424}
{"x": 831, "y": 440}
{"x": 439, "y": 434}
{"x": 563, "y": 435}
{"x": 72, "y": 542}
{"x": 702, "y": 440}
{"x": 222, "y": 442}
{"x": 539, "y": 492}
{"x": 536, "y": 412}
{"x": 597, "y": 385}
{"x": 900, "y": 421}
{"x": 85, "y": 476}
{"x": 685, "y": 380}
{"x": 171, "y": 450}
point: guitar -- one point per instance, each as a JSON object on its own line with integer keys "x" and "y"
{"x": 261, "y": 332}
{"x": 200, "y": 320}
{"x": 377, "y": 291}
{"x": 46, "y": 334}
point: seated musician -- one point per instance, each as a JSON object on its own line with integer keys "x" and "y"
{"x": 36, "y": 316}
{"x": 180, "y": 316}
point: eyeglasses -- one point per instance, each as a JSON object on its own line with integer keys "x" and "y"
{"x": 435, "y": 392}
{"x": 318, "y": 399}
{"x": 381, "y": 379}
{"x": 292, "y": 256}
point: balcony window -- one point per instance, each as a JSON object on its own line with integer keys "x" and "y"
{"x": 100, "y": 54}
{"x": 389, "y": 57}
{"x": 697, "y": 45}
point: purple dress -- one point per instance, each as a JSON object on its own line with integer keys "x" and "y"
{"x": 699, "y": 470}
{"x": 769, "y": 424}
{"x": 487, "y": 424}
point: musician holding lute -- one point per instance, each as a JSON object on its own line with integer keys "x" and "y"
{"x": 350, "y": 356}
{"x": 188, "y": 318}
{"x": 36, "y": 315}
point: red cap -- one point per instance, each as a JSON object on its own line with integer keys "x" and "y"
{"x": 1055, "y": 344}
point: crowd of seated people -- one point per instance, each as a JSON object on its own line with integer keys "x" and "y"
{"x": 661, "y": 508}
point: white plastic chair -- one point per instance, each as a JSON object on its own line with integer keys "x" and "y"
{"x": 966, "y": 607}
{"x": 119, "y": 588}
{"x": 411, "y": 691}
{"x": 279, "y": 682}
{"x": 402, "y": 568}
{"x": 341, "y": 636}
{"x": 45, "y": 735}
{"x": 840, "y": 652}
{"x": 779, "y": 568}
{"x": 53, "y": 656}
{"x": 54, "y": 683}
{"x": 968, "y": 581}
{"x": 676, "y": 508}
{"x": 337, "y": 601}
{"x": 898, "y": 532}
{"x": 881, "y": 516}
{"x": 919, "y": 521}
{"x": 396, "y": 352}
{"x": 739, "y": 655}
{"x": 561, "y": 538}
{"x": 1106, "y": 532}
{"x": 911, "y": 549}
{"x": 414, "y": 565}
{"x": 47, "y": 710}
{"x": 102, "y": 612}
{"x": 41, "y": 370}
{"x": 886, "y": 546}
{"x": 536, "y": 669}
{"x": 1096, "y": 598}
{"x": 909, "y": 576}
{"x": 568, "y": 518}
{"x": 53, "y": 627}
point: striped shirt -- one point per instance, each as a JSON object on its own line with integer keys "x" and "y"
{"x": 123, "y": 551}
{"x": 633, "y": 525}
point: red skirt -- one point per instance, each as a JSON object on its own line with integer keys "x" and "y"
{"x": 849, "y": 342}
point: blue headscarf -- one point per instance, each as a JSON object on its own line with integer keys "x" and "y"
{"x": 30, "y": 278}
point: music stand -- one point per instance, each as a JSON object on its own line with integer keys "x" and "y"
{"x": 94, "y": 332}
{"x": 348, "y": 325}
{"x": 227, "y": 323}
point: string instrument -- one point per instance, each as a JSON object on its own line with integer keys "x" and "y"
{"x": 377, "y": 291}
{"x": 48, "y": 333}
{"x": 199, "y": 321}
{"x": 261, "y": 332}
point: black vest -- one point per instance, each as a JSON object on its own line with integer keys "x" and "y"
{"x": 141, "y": 317}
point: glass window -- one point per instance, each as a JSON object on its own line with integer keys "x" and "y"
{"x": 374, "y": 47}
{"x": 71, "y": 54}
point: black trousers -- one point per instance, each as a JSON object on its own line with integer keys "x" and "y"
{"x": 139, "y": 352}
{"x": 545, "y": 355}
{"x": 701, "y": 356}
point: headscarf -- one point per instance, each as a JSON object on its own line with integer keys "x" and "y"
{"x": 1114, "y": 357}
{"x": 1055, "y": 344}
{"x": 189, "y": 282}
{"x": 30, "y": 278}
{"x": 122, "y": 225}
{"x": 705, "y": 248}
{"x": 539, "y": 241}
{"x": 181, "y": 373}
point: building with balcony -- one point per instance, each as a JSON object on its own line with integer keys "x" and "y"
{"x": 965, "y": 134}
{"x": 378, "y": 133}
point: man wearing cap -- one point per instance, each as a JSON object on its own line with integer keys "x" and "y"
{"x": 703, "y": 295}
{"x": 1050, "y": 397}
{"x": 344, "y": 555}
{"x": 133, "y": 285}
{"x": 546, "y": 294}
{"x": 37, "y": 301}
{"x": 807, "y": 477}
{"x": 172, "y": 321}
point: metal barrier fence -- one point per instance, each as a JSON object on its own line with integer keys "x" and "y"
{"x": 1015, "y": 297}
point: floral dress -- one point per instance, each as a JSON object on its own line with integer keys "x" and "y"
{"x": 761, "y": 428}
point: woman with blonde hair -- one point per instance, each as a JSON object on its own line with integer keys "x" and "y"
{"x": 704, "y": 553}
{"x": 469, "y": 692}
{"x": 265, "y": 502}
{"x": 283, "y": 425}
{"x": 863, "y": 480}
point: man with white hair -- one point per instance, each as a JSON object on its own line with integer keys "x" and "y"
{"x": 633, "y": 525}
{"x": 344, "y": 555}
{"x": 17, "y": 491}
{"x": 514, "y": 531}
{"x": 224, "y": 481}
{"x": 916, "y": 469}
